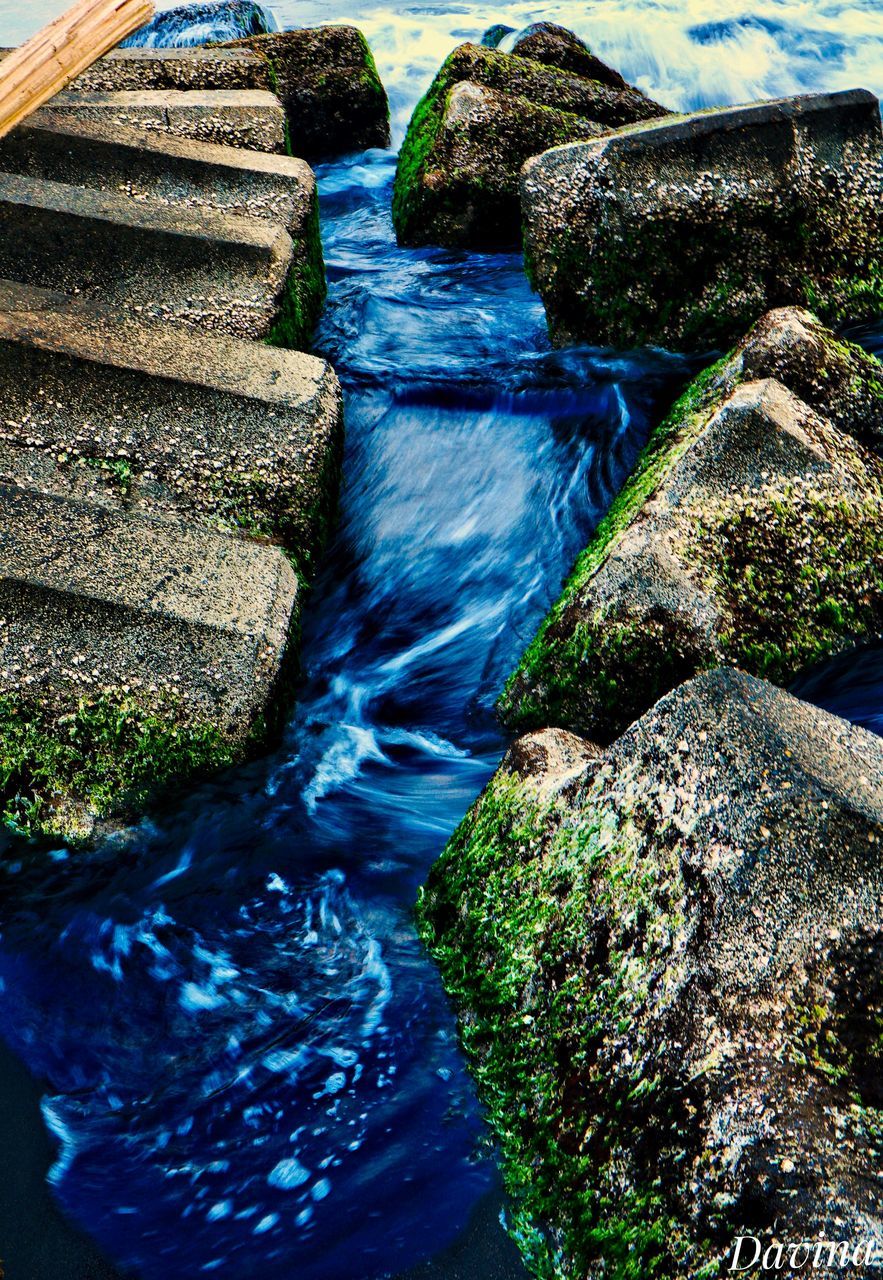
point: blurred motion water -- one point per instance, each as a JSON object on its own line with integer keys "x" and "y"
{"x": 251, "y": 1066}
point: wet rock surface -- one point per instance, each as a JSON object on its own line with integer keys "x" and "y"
{"x": 557, "y": 47}
{"x": 681, "y": 233}
{"x": 666, "y": 961}
{"x": 328, "y": 84}
{"x": 750, "y": 534}
{"x": 457, "y": 176}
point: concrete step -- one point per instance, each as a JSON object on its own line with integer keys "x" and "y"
{"x": 125, "y": 635}
{"x": 186, "y": 68}
{"x": 249, "y": 118}
{"x": 138, "y": 415}
{"x": 194, "y": 266}
{"x": 175, "y": 171}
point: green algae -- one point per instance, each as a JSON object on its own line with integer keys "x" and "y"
{"x": 109, "y": 755}
{"x": 530, "y": 914}
{"x": 305, "y": 289}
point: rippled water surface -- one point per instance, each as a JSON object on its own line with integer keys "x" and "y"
{"x": 251, "y": 1068}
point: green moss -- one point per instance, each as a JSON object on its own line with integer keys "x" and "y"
{"x": 117, "y": 470}
{"x": 531, "y": 915}
{"x": 416, "y": 149}
{"x": 555, "y": 658}
{"x": 801, "y": 574}
{"x": 109, "y": 755}
{"x": 305, "y": 290}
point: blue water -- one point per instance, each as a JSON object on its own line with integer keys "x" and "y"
{"x": 251, "y": 1067}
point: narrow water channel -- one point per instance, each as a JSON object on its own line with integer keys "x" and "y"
{"x": 250, "y": 1068}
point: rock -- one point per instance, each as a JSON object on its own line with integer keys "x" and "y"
{"x": 751, "y": 533}
{"x": 248, "y": 118}
{"x": 555, "y": 46}
{"x": 196, "y": 266}
{"x": 526, "y": 107}
{"x": 495, "y": 35}
{"x": 469, "y": 191}
{"x": 179, "y": 174}
{"x": 195, "y": 24}
{"x": 155, "y": 657}
{"x": 327, "y": 81}
{"x": 667, "y": 965}
{"x": 200, "y": 427}
{"x": 683, "y": 232}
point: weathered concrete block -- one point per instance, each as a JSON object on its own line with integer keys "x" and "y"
{"x": 327, "y": 81}
{"x": 468, "y": 194}
{"x": 526, "y": 108}
{"x": 668, "y": 966}
{"x": 248, "y": 118}
{"x": 182, "y": 174}
{"x": 196, "y": 426}
{"x": 133, "y": 70}
{"x": 683, "y": 232}
{"x": 750, "y": 534}
{"x": 134, "y": 653}
{"x": 197, "y": 267}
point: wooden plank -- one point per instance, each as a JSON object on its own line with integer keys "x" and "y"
{"x": 64, "y": 49}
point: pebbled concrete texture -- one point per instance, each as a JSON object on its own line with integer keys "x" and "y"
{"x": 137, "y": 415}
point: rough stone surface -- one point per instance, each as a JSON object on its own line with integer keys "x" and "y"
{"x": 133, "y": 70}
{"x": 182, "y": 174}
{"x": 683, "y": 232}
{"x": 132, "y": 651}
{"x": 667, "y": 963}
{"x": 750, "y": 533}
{"x": 199, "y": 267}
{"x": 144, "y": 417}
{"x": 557, "y": 47}
{"x": 327, "y": 82}
{"x": 452, "y": 156}
{"x": 248, "y": 118}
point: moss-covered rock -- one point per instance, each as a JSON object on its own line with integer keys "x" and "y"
{"x": 327, "y": 81}
{"x": 666, "y": 959}
{"x": 455, "y": 161}
{"x": 557, "y": 47}
{"x": 750, "y": 533}
{"x": 683, "y": 232}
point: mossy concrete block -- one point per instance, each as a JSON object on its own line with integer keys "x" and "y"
{"x": 181, "y": 174}
{"x": 469, "y": 191}
{"x": 528, "y": 107}
{"x": 133, "y": 651}
{"x": 751, "y": 534}
{"x": 202, "y": 427}
{"x": 667, "y": 962}
{"x": 555, "y": 46}
{"x": 194, "y": 266}
{"x": 683, "y": 232}
{"x": 248, "y": 118}
{"x": 327, "y": 81}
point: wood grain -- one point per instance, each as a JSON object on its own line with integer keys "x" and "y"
{"x": 47, "y": 63}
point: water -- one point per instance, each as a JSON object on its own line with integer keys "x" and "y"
{"x": 250, "y": 1065}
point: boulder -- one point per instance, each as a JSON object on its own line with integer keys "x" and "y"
{"x": 195, "y": 266}
{"x": 327, "y": 81}
{"x": 667, "y": 963}
{"x": 157, "y": 656}
{"x": 204, "y": 21}
{"x": 153, "y": 168}
{"x": 204, "y": 428}
{"x": 526, "y": 107}
{"x": 557, "y": 47}
{"x": 751, "y": 533}
{"x": 682, "y": 232}
{"x": 248, "y": 118}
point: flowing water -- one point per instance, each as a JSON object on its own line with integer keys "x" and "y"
{"x": 250, "y": 1066}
